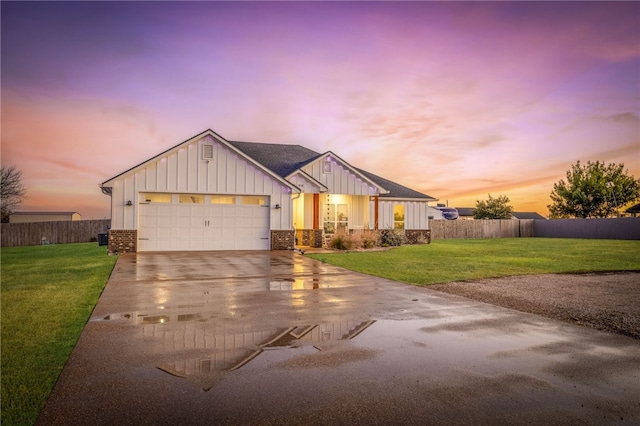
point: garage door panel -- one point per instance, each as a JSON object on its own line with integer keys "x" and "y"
{"x": 203, "y": 227}
{"x": 228, "y": 222}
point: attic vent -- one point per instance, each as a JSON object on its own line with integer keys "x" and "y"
{"x": 207, "y": 152}
{"x": 326, "y": 166}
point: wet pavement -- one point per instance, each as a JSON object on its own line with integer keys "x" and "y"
{"x": 278, "y": 338}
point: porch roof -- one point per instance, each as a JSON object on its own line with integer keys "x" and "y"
{"x": 395, "y": 189}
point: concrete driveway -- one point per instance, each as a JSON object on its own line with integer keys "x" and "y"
{"x": 278, "y": 338}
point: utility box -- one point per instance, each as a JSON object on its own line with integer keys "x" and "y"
{"x": 103, "y": 239}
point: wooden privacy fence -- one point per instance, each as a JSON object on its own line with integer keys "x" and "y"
{"x": 512, "y": 228}
{"x": 31, "y": 234}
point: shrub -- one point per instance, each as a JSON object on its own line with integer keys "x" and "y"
{"x": 369, "y": 238}
{"x": 341, "y": 241}
{"x": 391, "y": 237}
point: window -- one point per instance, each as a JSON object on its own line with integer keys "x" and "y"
{"x": 253, "y": 200}
{"x": 398, "y": 216}
{"x": 336, "y": 217}
{"x": 157, "y": 198}
{"x": 191, "y": 199}
{"x": 223, "y": 199}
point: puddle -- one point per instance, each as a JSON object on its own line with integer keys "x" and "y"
{"x": 290, "y": 284}
{"x": 250, "y": 350}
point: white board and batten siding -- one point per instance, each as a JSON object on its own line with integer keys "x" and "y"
{"x": 338, "y": 178}
{"x": 183, "y": 170}
{"x": 416, "y": 215}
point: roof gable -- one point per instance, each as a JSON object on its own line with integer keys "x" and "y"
{"x": 318, "y": 164}
{"x": 212, "y": 137}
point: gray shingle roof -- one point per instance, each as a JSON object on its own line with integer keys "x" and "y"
{"x": 633, "y": 209}
{"x": 280, "y": 159}
{"x": 528, "y": 215}
{"x": 395, "y": 189}
{"x": 286, "y": 159}
{"x": 466, "y": 211}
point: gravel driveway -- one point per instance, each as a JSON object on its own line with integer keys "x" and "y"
{"x": 606, "y": 301}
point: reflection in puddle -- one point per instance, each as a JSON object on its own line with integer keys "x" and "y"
{"x": 232, "y": 351}
{"x": 204, "y": 349}
{"x": 288, "y": 284}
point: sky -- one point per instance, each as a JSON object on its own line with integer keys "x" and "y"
{"x": 457, "y": 100}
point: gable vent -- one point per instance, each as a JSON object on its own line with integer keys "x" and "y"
{"x": 207, "y": 152}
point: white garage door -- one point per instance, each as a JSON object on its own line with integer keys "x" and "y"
{"x": 178, "y": 226}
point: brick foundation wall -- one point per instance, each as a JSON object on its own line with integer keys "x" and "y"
{"x": 415, "y": 235}
{"x": 123, "y": 240}
{"x": 309, "y": 237}
{"x": 283, "y": 240}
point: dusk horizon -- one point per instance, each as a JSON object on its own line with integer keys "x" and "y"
{"x": 455, "y": 100}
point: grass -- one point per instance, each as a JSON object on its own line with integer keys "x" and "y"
{"x": 48, "y": 294}
{"x": 455, "y": 260}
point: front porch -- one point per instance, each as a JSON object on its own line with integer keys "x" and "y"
{"x": 317, "y": 216}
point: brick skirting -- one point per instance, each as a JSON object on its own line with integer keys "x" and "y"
{"x": 418, "y": 236}
{"x": 309, "y": 237}
{"x": 283, "y": 240}
{"x": 123, "y": 240}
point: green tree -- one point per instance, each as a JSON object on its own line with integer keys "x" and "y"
{"x": 493, "y": 208}
{"x": 593, "y": 190}
{"x": 12, "y": 191}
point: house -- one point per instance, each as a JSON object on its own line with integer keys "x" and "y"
{"x": 466, "y": 212}
{"x": 209, "y": 193}
{"x": 634, "y": 210}
{"x": 527, "y": 215}
{"x": 469, "y": 212}
{"x": 30, "y": 217}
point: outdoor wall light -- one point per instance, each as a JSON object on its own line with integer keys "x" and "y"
{"x": 129, "y": 203}
{"x": 277, "y": 206}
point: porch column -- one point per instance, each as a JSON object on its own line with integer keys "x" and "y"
{"x": 375, "y": 212}
{"x": 316, "y": 211}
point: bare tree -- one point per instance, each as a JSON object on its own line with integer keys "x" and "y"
{"x": 12, "y": 191}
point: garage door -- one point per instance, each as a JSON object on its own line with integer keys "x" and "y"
{"x": 242, "y": 224}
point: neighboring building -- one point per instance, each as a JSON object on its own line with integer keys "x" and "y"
{"x": 29, "y": 217}
{"x": 208, "y": 193}
{"x": 527, "y": 215}
{"x": 634, "y": 211}
{"x": 466, "y": 212}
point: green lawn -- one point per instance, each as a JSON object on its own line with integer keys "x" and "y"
{"x": 48, "y": 293}
{"x": 454, "y": 260}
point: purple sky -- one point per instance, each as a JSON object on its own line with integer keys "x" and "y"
{"x": 456, "y": 100}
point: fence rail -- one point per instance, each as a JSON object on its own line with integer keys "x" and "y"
{"x": 458, "y": 229}
{"x": 36, "y": 233}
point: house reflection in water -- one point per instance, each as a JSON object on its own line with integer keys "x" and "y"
{"x": 210, "y": 350}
